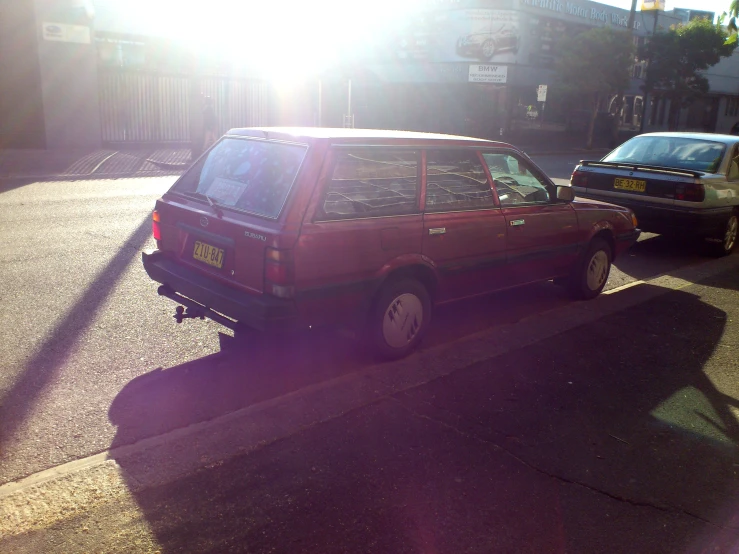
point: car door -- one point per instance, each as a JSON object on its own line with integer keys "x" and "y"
{"x": 365, "y": 215}
{"x": 464, "y": 232}
{"x": 542, "y": 234}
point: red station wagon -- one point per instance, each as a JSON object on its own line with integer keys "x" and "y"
{"x": 278, "y": 228}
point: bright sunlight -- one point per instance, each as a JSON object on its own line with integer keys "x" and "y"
{"x": 285, "y": 40}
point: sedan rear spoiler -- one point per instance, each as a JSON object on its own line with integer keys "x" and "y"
{"x": 641, "y": 167}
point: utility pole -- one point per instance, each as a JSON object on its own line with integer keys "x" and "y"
{"x": 620, "y": 97}
{"x": 646, "y": 89}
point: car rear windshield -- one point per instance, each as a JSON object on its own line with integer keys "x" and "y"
{"x": 678, "y": 152}
{"x": 254, "y": 176}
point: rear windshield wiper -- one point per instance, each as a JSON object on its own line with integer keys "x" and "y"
{"x": 200, "y": 195}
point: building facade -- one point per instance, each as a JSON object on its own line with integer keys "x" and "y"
{"x": 83, "y": 75}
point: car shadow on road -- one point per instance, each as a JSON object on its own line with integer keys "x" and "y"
{"x": 611, "y": 434}
{"x": 252, "y": 366}
{"x": 657, "y": 254}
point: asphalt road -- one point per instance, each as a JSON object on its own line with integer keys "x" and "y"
{"x": 88, "y": 345}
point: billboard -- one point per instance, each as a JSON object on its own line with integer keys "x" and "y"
{"x": 477, "y": 34}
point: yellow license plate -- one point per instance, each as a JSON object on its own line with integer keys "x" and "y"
{"x": 208, "y": 254}
{"x": 630, "y": 184}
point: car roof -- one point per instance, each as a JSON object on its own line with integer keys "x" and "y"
{"x": 313, "y": 133}
{"x": 715, "y": 137}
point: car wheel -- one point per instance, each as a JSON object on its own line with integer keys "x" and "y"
{"x": 399, "y": 318}
{"x": 488, "y": 49}
{"x": 725, "y": 243}
{"x": 591, "y": 273}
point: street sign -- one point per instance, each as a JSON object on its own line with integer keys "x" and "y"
{"x": 541, "y": 93}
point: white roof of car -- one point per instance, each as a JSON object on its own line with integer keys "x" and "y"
{"x": 331, "y": 133}
{"x": 715, "y": 137}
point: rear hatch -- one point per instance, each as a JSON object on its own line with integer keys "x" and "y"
{"x": 650, "y": 184}
{"x": 221, "y": 216}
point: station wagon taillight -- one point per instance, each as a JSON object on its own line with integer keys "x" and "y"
{"x": 155, "y": 229}
{"x": 279, "y": 273}
{"x": 692, "y": 192}
{"x": 579, "y": 179}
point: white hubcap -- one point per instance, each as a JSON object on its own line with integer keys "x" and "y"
{"x": 403, "y": 319}
{"x": 732, "y": 226}
{"x": 597, "y": 270}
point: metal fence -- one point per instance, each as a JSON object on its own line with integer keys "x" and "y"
{"x": 150, "y": 107}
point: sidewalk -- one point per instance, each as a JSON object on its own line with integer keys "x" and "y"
{"x": 606, "y": 426}
{"x": 92, "y": 164}
{"x": 152, "y": 162}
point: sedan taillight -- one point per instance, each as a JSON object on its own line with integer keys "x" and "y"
{"x": 579, "y": 179}
{"x": 691, "y": 192}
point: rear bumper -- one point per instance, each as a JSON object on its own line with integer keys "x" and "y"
{"x": 261, "y": 312}
{"x": 673, "y": 220}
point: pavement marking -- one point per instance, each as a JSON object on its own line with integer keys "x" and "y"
{"x": 65, "y": 491}
{"x": 624, "y": 287}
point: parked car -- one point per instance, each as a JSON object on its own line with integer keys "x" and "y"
{"x": 684, "y": 184}
{"x": 277, "y": 228}
{"x": 487, "y": 44}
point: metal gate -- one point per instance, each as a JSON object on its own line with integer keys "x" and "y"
{"x": 153, "y": 108}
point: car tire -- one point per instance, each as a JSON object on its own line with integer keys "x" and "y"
{"x": 399, "y": 318}
{"x": 488, "y": 49}
{"x": 726, "y": 241}
{"x": 591, "y": 272}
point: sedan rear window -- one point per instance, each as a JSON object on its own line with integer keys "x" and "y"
{"x": 678, "y": 152}
{"x": 254, "y": 176}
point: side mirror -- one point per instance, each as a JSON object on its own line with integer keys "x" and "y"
{"x": 565, "y": 193}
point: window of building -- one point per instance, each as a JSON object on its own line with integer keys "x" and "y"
{"x": 516, "y": 181}
{"x": 732, "y": 106}
{"x": 372, "y": 182}
{"x": 456, "y": 180}
{"x": 662, "y": 110}
{"x": 653, "y": 104}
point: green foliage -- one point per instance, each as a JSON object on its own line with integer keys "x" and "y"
{"x": 595, "y": 62}
{"x": 731, "y": 26}
{"x": 677, "y": 55}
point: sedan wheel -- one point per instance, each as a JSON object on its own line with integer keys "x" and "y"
{"x": 732, "y": 226}
{"x": 724, "y": 244}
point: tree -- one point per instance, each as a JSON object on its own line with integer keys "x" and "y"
{"x": 595, "y": 65}
{"x": 732, "y": 27}
{"x": 675, "y": 58}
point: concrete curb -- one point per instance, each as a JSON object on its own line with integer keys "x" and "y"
{"x": 67, "y": 490}
{"x": 164, "y": 172}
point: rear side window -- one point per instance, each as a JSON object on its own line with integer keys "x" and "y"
{"x": 250, "y": 175}
{"x": 372, "y": 182}
{"x": 456, "y": 180}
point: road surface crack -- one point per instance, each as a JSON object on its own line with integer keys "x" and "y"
{"x": 519, "y": 459}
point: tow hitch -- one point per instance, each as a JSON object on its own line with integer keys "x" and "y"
{"x": 193, "y": 310}
{"x": 191, "y": 313}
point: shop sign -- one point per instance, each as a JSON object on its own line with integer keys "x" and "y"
{"x": 592, "y": 13}
{"x": 62, "y": 32}
{"x": 541, "y": 93}
{"x": 487, "y": 73}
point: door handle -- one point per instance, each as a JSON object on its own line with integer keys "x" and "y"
{"x": 437, "y": 230}
{"x": 517, "y": 222}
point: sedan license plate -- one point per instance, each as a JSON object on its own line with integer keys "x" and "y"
{"x": 208, "y": 254}
{"x": 630, "y": 184}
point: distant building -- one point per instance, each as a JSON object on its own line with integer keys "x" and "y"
{"x": 78, "y": 73}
